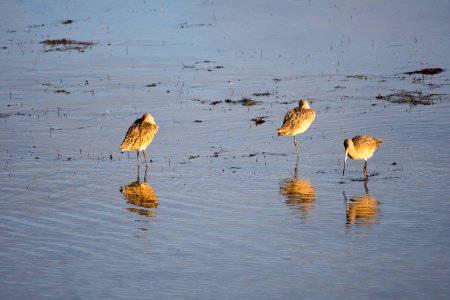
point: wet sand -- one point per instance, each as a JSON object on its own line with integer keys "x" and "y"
{"x": 226, "y": 211}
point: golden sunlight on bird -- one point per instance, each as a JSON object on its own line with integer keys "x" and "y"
{"x": 140, "y": 135}
{"x": 297, "y": 121}
{"x": 361, "y": 147}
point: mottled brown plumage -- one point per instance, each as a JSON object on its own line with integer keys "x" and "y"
{"x": 361, "y": 147}
{"x": 296, "y": 121}
{"x": 140, "y": 135}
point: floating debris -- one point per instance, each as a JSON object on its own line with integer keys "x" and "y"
{"x": 67, "y": 22}
{"x": 187, "y": 25}
{"x": 36, "y": 25}
{"x": 259, "y": 120}
{"x": 262, "y": 94}
{"x": 203, "y": 65}
{"x": 151, "y": 85}
{"x": 66, "y": 45}
{"x": 357, "y": 77}
{"x": 412, "y": 98}
{"x": 62, "y": 92}
{"x": 22, "y": 114}
{"x": 426, "y": 71}
{"x": 244, "y": 101}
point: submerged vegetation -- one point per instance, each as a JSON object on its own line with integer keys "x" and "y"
{"x": 410, "y": 97}
{"x": 66, "y": 44}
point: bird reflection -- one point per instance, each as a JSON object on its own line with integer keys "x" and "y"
{"x": 141, "y": 194}
{"x": 362, "y": 210}
{"x": 300, "y": 194}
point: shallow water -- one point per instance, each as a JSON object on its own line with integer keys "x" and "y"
{"x": 231, "y": 214}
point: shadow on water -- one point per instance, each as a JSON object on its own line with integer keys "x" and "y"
{"x": 300, "y": 194}
{"x": 142, "y": 195}
{"x": 362, "y": 210}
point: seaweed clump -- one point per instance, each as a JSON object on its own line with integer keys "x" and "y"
{"x": 411, "y": 98}
{"x": 66, "y": 45}
{"x": 426, "y": 71}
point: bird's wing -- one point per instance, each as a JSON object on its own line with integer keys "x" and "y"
{"x": 298, "y": 117}
{"x": 131, "y": 137}
{"x": 288, "y": 116}
{"x": 367, "y": 141}
{"x": 148, "y": 131}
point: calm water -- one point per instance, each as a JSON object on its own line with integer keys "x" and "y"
{"x": 225, "y": 211}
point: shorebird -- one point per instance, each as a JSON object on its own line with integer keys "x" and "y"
{"x": 361, "y": 147}
{"x": 296, "y": 121}
{"x": 140, "y": 135}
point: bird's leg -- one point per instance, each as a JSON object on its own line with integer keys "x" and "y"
{"x": 138, "y": 179}
{"x": 296, "y": 146}
{"x": 137, "y": 165}
{"x": 145, "y": 155}
{"x": 366, "y": 188}
{"x": 145, "y": 175}
{"x": 366, "y": 175}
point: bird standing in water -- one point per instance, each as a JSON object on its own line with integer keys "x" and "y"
{"x": 361, "y": 147}
{"x": 140, "y": 135}
{"x": 296, "y": 121}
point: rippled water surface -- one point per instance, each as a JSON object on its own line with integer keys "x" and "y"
{"x": 223, "y": 210}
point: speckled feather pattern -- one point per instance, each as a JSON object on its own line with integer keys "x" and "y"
{"x": 139, "y": 135}
{"x": 363, "y": 146}
{"x": 296, "y": 121}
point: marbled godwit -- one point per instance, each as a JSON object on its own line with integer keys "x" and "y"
{"x": 140, "y": 135}
{"x": 361, "y": 147}
{"x": 296, "y": 121}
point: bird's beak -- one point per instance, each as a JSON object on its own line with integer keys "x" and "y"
{"x": 345, "y": 161}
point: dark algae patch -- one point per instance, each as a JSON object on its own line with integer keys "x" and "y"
{"x": 244, "y": 102}
{"x": 411, "y": 98}
{"x": 66, "y": 45}
{"x": 426, "y": 71}
{"x": 62, "y": 92}
{"x": 362, "y": 77}
{"x": 264, "y": 94}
